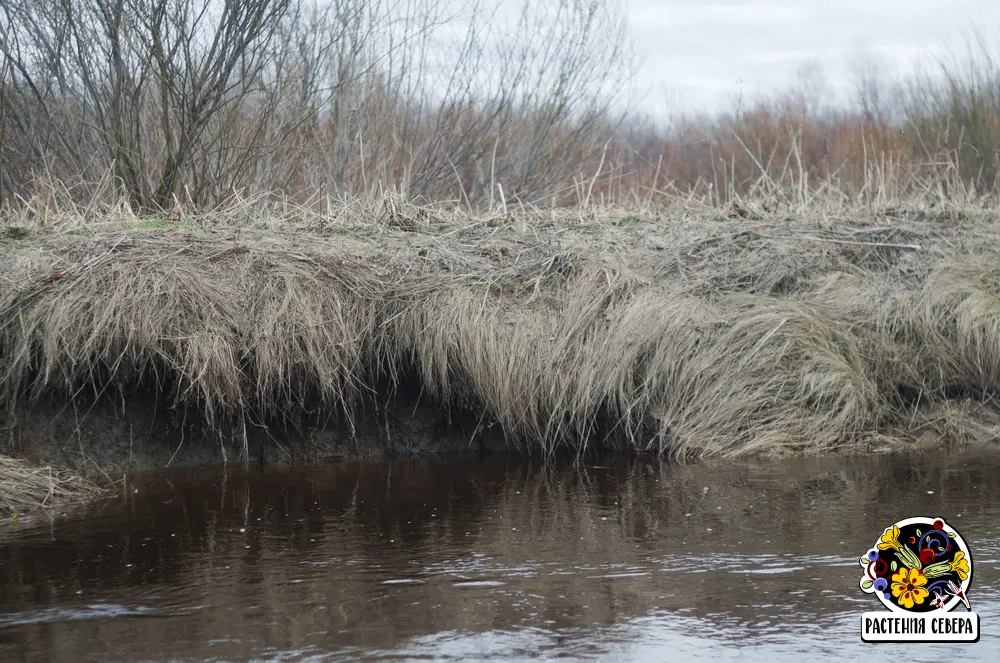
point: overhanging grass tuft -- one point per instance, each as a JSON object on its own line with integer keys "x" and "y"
{"x": 25, "y": 487}
{"x": 690, "y": 336}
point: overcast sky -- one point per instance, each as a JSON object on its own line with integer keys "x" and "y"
{"x": 698, "y": 52}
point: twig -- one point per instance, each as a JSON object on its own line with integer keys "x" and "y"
{"x": 915, "y": 247}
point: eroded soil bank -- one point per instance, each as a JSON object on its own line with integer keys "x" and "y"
{"x": 102, "y": 437}
{"x": 390, "y": 329}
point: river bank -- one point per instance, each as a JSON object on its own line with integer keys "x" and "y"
{"x": 384, "y": 328}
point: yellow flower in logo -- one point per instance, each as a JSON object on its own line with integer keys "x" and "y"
{"x": 890, "y": 539}
{"x": 908, "y": 587}
{"x": 960, "y": 565}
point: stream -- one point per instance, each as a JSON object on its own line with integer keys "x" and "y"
{"x": 491, "y": 558}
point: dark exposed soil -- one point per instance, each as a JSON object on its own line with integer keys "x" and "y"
{"x": 104, "y": 437}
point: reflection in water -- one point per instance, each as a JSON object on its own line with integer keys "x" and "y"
{"x": 505, "y": 558}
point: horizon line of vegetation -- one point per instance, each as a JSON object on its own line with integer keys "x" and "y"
{"x": 186, "y": 102}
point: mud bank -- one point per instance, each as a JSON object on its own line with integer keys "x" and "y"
{"x": 58, "y": 452}
{"x": 392, "y": 329}
{"x": 141, "y": 431}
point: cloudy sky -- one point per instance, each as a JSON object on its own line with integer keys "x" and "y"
{"x": 698, "y": 53}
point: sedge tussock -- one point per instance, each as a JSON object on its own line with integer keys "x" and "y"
{"x": 684, "y": 334}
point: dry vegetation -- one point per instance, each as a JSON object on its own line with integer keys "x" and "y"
{"x": 268, "y": 207}
{"x": 24, "y": 488}
{"x": 691, "y": 334}
{"x": 184, "y": 102}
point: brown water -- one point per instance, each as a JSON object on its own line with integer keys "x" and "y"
{"x": 496, "y": 558}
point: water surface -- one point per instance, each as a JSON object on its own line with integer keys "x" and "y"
{"x": 495, "y": 558}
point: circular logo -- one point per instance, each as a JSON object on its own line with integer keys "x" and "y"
{"x": 918, "y": 565}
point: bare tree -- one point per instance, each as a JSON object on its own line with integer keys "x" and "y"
{"x": 148, "y": 75}
{"x": 192, "y": 99}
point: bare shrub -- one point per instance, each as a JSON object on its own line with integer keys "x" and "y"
{"x": 188, "y": 100}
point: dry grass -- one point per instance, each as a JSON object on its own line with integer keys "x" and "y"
{"x": 689, "y": 331}
{"x": 25, "y": 488}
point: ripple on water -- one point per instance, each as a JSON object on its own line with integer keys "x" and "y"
{"x": 771, "y": 569}
{"x": 485, "y": 559}
{"x": 403, "y": 581}
{"x": 479, "y": 583}
{"x": 89, "y": 612}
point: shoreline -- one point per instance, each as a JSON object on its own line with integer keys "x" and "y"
{"x": 415, "y": 330}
